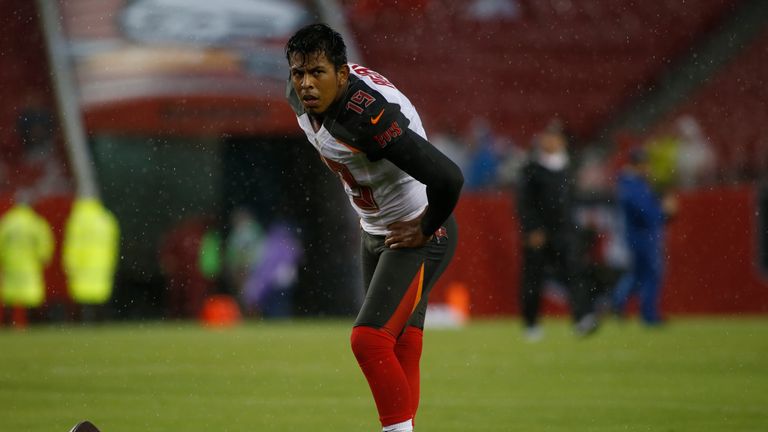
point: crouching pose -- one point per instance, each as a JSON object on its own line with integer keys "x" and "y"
{"x": 404, "y": 191}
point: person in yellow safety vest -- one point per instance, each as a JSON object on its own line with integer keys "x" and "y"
{"x": 90, "y": 251}
{"x": 26, "y": 246}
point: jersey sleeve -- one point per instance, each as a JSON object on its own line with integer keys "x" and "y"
{"x": 367, "y": 121}
{"x": 443, "y": 178}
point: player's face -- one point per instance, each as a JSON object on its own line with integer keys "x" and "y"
{"x": 317, "y": 82}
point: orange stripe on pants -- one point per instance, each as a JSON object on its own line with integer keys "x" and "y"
{"x": 407, "y": 305}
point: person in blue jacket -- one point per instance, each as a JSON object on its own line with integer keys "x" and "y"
{"x": 645, "y": 215}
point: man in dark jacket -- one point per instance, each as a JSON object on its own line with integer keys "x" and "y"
{"x": 549, "y": 234}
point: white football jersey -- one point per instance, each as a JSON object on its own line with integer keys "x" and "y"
{"x": 371, "y": 115}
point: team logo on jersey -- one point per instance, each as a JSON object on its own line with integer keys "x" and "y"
{"x": 376, "y": 119}
{"x": 441, "y": 234}
{"x": 391, "y": 133}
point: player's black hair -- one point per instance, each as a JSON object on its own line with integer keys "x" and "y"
{"x": 318, "y": 39}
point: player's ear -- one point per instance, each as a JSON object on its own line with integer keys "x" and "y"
{"x": 342, "y": 76}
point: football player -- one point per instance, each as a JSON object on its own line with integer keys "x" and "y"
{"x": 404, "y": 191}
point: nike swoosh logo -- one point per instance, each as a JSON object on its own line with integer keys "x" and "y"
{"x": 376, "y": 119}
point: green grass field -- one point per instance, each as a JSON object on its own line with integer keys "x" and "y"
{"x": 702, "y": 374}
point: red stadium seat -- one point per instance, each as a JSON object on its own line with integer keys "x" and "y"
{"x": 731, "y": 109}
{"x": 548, "y": 60}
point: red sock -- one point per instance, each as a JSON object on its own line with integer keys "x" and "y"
{"x": 375, "y": 353}
{"x": 408, "y": 352}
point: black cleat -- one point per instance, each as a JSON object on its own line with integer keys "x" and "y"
{"x": 84, "y": 426}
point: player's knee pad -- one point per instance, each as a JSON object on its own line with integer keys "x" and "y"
{"x": 370, "y": 344}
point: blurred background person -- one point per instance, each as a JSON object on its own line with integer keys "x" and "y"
{"x": 545, "y": 199}
{"x": 26, "y": 247}
{"x": 662, "y": 153}
{"x": 696, "y": 162}
{"x": 243, "y": 250}
{"x": 644, "y": 217}
{"x": 448, "y": 140}
{"x": 482, "y": 165}
{"x": 269, "y": 286}
{"x": 90, "y": 254}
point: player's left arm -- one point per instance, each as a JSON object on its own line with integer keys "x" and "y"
{"x": 372, "y": 124}
{"x": 443, "y": 178}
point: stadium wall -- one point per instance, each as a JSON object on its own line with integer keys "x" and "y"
{"x": 712, "y": 255}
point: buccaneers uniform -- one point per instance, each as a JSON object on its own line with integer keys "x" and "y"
{"x": 373, "y": 138}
